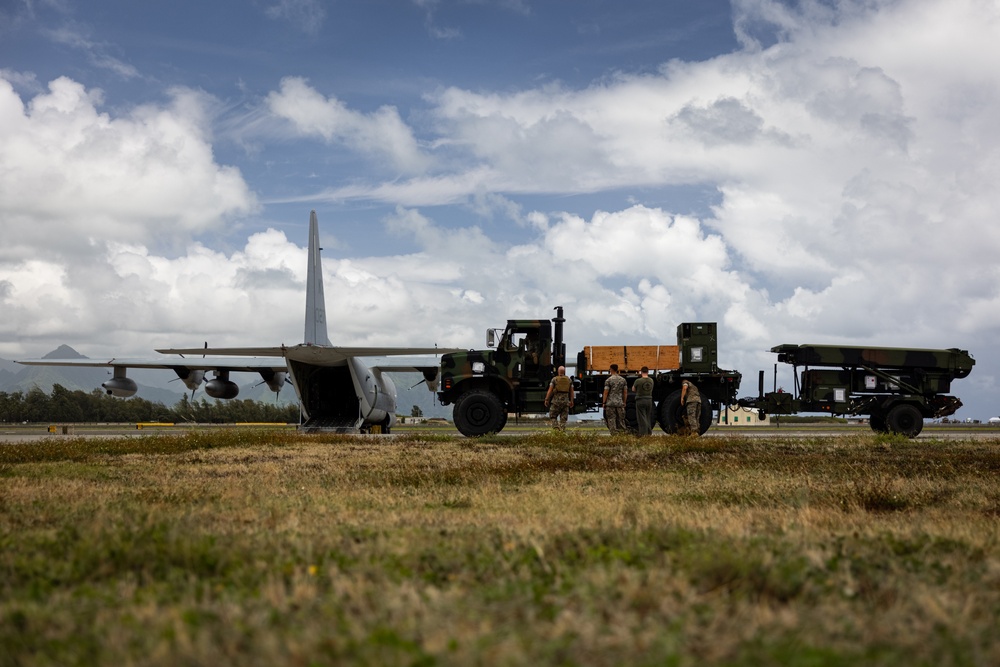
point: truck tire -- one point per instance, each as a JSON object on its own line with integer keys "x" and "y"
{"x": 671, "y": 414}
{"x": 877, "y": 421}
{"x": 905, "y": 419}
{"x": 479, "y": 412}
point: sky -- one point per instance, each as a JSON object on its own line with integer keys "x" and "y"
{"x": 815, "y": 171}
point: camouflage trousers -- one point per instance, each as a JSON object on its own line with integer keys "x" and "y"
{"x": 694, "y": 418}
{"x": 614, "y": 417}
{"x": 559, "y": 411}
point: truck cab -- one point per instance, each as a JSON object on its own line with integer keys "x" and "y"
{"x": 510, "y": 376}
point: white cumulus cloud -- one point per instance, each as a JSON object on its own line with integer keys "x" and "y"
{"x": 381, "y": 135}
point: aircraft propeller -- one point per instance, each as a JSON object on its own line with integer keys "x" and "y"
{"x": 195, "y": 388}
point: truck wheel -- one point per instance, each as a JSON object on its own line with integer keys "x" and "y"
{"x": 631, "y": 418}
{"x": 479, "y": 412}
{"x": 672, "y": 414}
{"x": 905, "y": 419}
{"x": 707, "y": 417}
{"x": 877, "y": 421}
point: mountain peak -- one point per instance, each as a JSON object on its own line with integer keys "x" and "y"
{"x": 64, "y": 352}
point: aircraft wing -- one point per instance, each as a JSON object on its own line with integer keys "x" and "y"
{"x": 253, "y": 365}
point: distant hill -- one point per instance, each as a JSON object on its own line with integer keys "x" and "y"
{"x": 6, "y": 376}
{"x": 9, "y": 367}
{"x": 64, "y": 352}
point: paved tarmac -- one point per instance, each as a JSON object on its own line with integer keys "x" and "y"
{"x": 29, "y": 434}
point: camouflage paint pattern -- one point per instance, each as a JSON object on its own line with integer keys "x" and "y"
{"x": 859, "y": 380}
{"x": 525, "y": 365}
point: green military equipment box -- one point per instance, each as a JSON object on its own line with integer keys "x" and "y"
{"x": 699, "y": 345}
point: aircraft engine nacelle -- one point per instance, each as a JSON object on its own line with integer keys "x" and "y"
{"x": 431, "y": 377}
{"x": 192, "y": 379}
{"x": 122, "y": 387}
{"x": 221, "y": 386}
{"x": 274, "y": 380}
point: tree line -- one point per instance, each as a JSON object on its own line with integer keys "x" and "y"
{"x": 63, "y": 405}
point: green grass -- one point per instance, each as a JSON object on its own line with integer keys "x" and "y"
{"x": 251, "y": 547}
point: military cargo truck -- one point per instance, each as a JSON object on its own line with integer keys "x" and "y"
{"x": 512, "y": 376}
{"x": 896, "y": 388}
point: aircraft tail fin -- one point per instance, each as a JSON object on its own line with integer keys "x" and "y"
{"x": 316, "y": 332}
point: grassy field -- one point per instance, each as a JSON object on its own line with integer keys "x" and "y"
{"x": 272, "y": 548}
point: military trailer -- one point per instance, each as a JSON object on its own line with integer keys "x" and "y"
{"x": 486, "y": 386}
{"x": 896, "y": 388}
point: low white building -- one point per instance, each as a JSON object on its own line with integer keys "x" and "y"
{"x": 737, "y": 415}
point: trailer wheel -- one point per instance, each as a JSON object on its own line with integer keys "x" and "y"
{"x": 672, "y": 414}
{"x": 905, "y": 419}
{"x": 479, "y": 412}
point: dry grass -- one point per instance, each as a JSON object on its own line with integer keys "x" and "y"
{"x": 256, "y": 548}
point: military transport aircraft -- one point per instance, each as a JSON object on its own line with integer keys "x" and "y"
{"x": 337, "y": 391}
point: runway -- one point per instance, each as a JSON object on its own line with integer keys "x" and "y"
{"x": 42, "y": 433}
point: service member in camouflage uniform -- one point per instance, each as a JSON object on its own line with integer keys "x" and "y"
{"x": 643, "y": 388}
{"x": 691, "y": 399}
{"x": 559, "y": 398}
{"x": 615, "y": 395}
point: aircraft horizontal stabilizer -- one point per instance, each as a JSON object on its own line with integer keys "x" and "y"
{"x": 229, "y": 351}
{"x": 314, "y": 354}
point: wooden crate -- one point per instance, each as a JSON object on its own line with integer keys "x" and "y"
{"x": 630, "y": 358}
